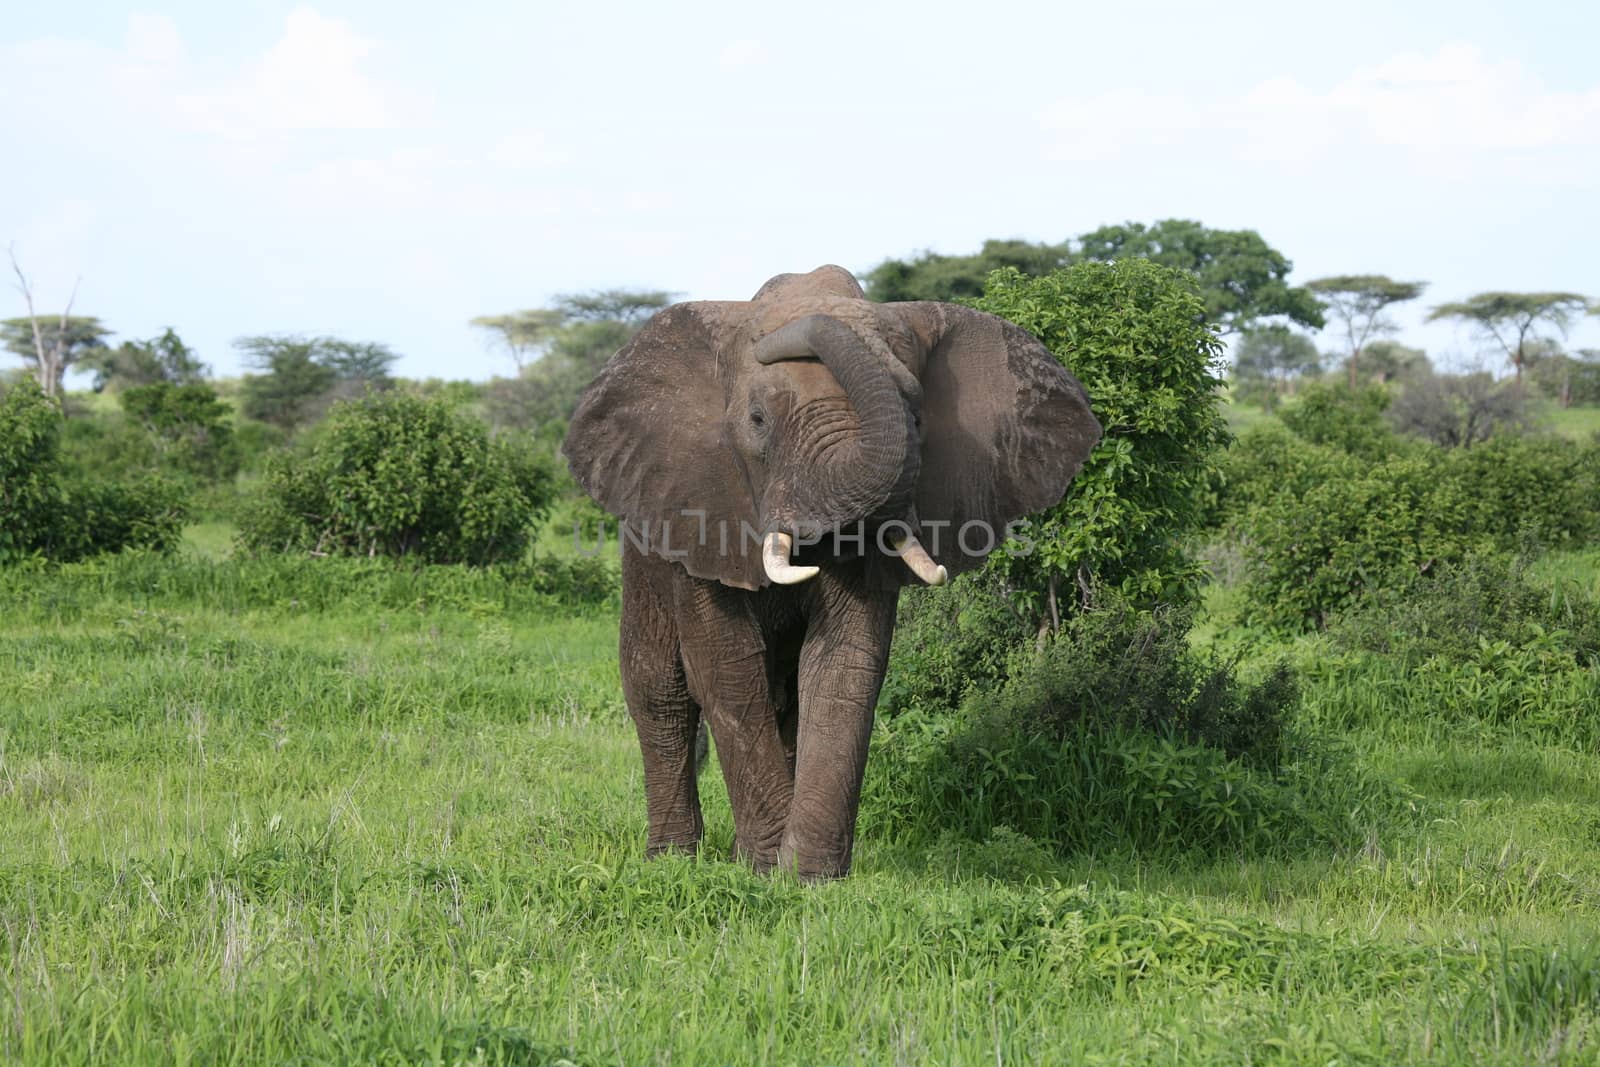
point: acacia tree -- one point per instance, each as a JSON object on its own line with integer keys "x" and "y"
{"x": 521, "y": 333}
{"x": 303, "y": 375}
{"x": 1360, "y": 303}
{"x": 630, "y": 306}
{"x": 559, "y": 349}
{"x": 53, "y": 344}
{"x": 1513, "y": 320}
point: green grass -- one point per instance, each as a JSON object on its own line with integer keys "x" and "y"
{"x": 1578, "y": 423}
{"x": 234, "y": 829}
{"x": 210, "y": 540}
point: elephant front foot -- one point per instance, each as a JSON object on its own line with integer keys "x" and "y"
{"x": 812, "y": 865}
{"x": 671, "y": 848}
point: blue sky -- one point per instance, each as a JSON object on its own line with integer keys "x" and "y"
{"x": 386, "y": 172}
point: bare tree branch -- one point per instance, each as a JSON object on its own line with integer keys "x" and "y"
{"x": 27, "y": 296}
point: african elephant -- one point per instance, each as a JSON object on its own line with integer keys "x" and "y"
{"x": 781, "y": 466}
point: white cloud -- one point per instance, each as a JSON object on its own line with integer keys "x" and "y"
{"x": 744, "y": 53}
{"x": 1451, "y": 112}
{"x": 311, "y": 79}
{"x": 154, "y": 39}
{"x": 527, "y": 150}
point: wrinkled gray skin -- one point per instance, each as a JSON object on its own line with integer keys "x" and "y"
{"x": 803, "y": 409}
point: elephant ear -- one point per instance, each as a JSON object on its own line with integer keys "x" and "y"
{"x": 646, "y": 442}
{"x": 1005, "y": 428}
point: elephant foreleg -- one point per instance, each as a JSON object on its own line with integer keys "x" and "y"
{"x": 841, "y": 670}
{"x": 666, "y": 717}
{"x": 730, "y": 672}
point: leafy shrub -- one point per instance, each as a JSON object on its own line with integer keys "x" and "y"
{"x": 46, "y": 510}
{"x": 1316, "y": 548}
{"x": 30, "y": 427}
{"x": 1531, "y": 488}
{"x": 1323, "y": 528}
{"x": 1478, "y": 647}
{"x": 1119, "y": 734}
{"x": 1267, "y": 461}
{"x": 256, "y": 443}
{"x": 1488, "y": 598}
{"x": 189, "y": 425}
{"x": 97, "y": 517}
{"x": 951, "y": 639}
{"x": 400, "y": 475}
{"x": 1350, "y": 420}
{"x": 1135, "y": 334}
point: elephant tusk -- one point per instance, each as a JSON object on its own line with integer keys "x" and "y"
{"x": 775, "y": 561}
{"x": 914, "y": 556}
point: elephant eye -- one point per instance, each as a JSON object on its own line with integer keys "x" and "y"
{"x": 758, "y": 418}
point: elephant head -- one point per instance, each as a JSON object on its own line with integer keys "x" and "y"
{"x": 727, "y": 430}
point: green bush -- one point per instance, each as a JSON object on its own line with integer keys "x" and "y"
{"x": 949, "y": 640}
{"x": 30, "y": 426}
{"x": 189, "y": 426}
{"x": 400, "y": 475}
{"x": 1118, "y": 735}
{"x": 1477, "y": 648}
{"x": 1350, "y": 420}
{"x": 1542, "y": 489}
{"x": 1265, "y": 462}
{"x": 1135, "y": 334}
{"x": 1323, "y": 528}
{"x": 48, "y": 510}
{"x": 1486, "y": 599}
{"x": 1317, "y": 547}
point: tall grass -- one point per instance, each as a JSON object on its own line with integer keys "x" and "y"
{"x": 375, "y": 816}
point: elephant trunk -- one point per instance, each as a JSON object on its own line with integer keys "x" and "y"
{"x": 877, "y": 465}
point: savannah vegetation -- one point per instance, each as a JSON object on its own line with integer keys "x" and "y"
{"x": 1283, "y": 747}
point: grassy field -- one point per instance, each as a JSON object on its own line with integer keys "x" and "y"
{"x": 237, "y": 829}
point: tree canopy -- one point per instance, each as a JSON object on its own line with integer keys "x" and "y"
{"x": 1513, "y": 320}
{"x": 133, "y": 363}
{"x": 302, "y": 375}
{"x": 52, "y": 343}
{"x": 1359, "y": 302}
{"x": 935, "y": 276}
{"x": 1242, "y": 279}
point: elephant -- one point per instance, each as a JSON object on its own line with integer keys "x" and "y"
{"x": 781, "y": 467}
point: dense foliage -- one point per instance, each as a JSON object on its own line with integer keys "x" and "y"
{"x": 1338, "y": 507}
{"x": 46, "y": 510}
{"x": 1242, "y": 279}
{"x": 1117, "y": 733}
{"x": 401, "y": 475}
{"x": 1134, "y": 333}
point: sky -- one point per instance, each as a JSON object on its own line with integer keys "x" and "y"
{"x": 386, "y": 171}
